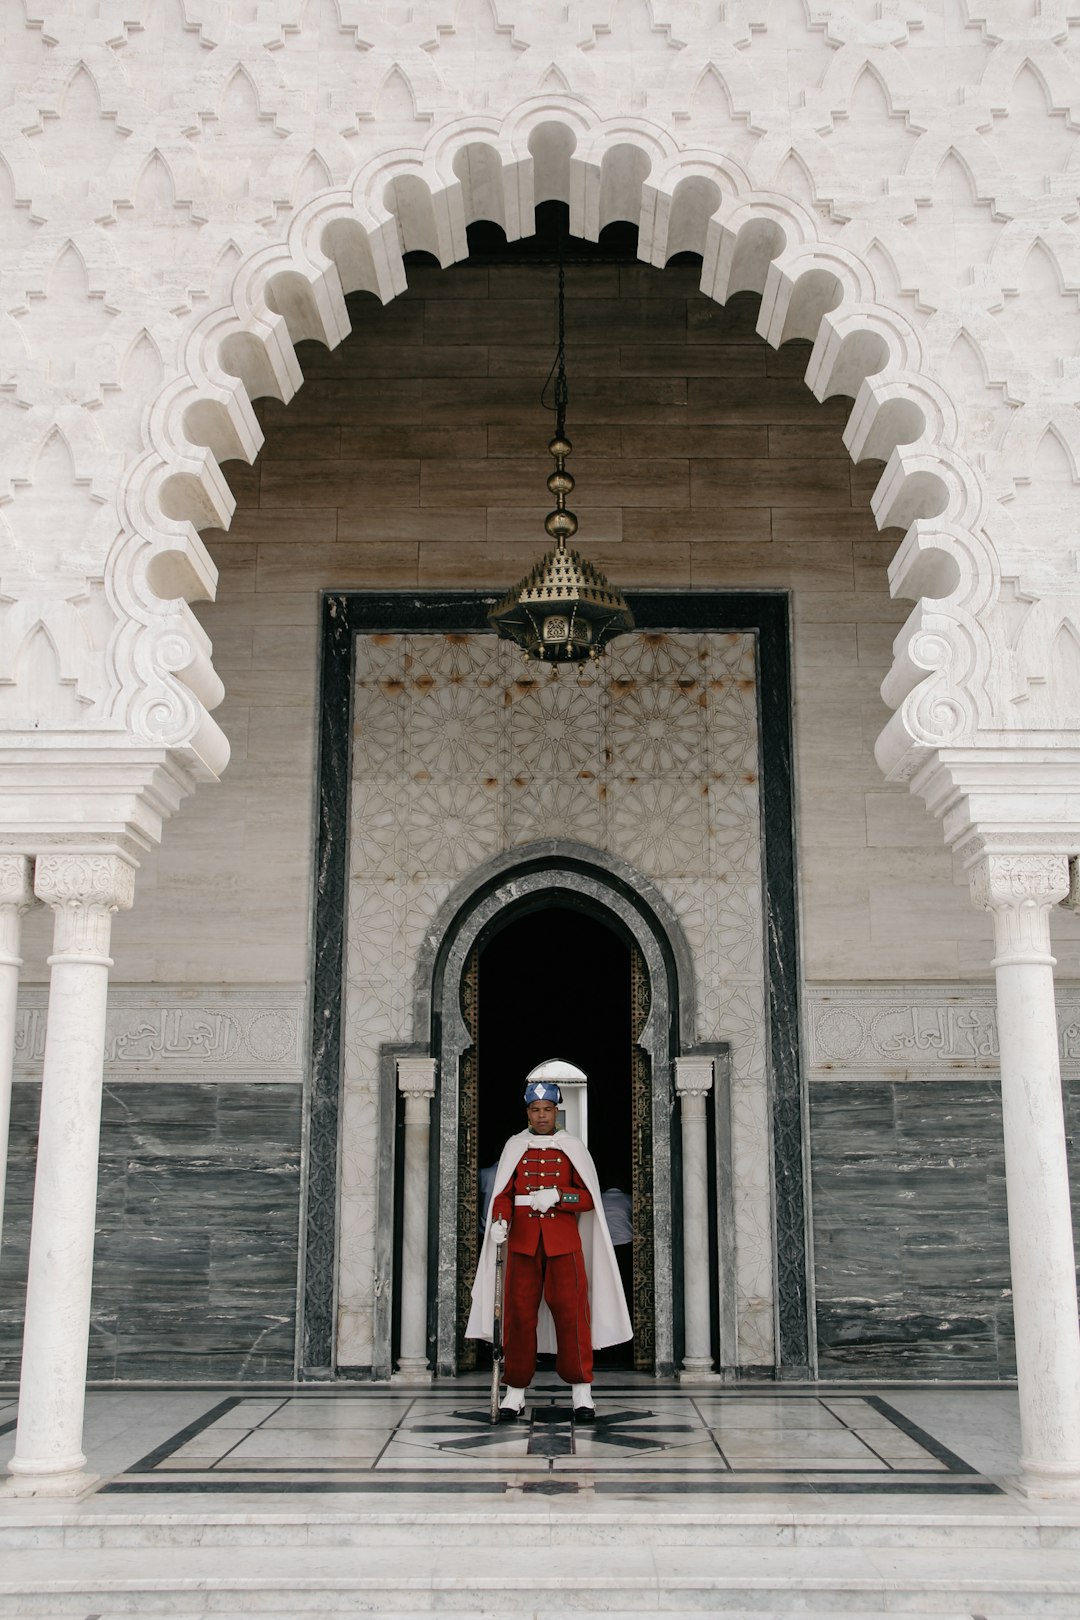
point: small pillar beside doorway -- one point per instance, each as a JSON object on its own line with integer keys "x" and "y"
{"x": 416, "y": 1083}
{"x": 693, "y": 1083}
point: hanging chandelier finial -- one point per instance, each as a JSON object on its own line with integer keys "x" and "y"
{"x": 564, "y": 611}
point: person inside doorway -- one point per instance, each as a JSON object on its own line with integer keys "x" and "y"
{"x": 563, "y": 1289}
{"x": 619, "y": 1214}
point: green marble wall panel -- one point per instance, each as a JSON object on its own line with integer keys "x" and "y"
{"x": 195, "y": 1261}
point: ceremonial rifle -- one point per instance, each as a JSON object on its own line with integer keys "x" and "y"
{"x": 496, "y": 1329}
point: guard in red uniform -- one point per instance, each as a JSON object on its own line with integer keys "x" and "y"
{"x": 540, "y": 1205}
{"x": 545, "y": 1186}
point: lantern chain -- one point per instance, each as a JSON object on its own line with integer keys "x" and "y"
{"x": 561, "y": 394}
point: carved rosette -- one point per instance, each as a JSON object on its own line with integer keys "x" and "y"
{"x": 1020, "y": 890}
{"x": 16, "y": 898}
{"x": 84, "y": 891}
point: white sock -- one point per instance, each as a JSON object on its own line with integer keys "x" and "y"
{"x": 514, "y": 1399}
{"x": 581, "y": 1394}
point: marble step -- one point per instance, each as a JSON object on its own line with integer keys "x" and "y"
{"x": 964, "y": 1613}
{"x": 482, "y": 1580}
{"x": 512, "y": 1527}
{"x": 588, "y": 1614}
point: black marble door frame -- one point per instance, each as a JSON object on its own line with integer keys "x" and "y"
{"x": 346, "y": 615}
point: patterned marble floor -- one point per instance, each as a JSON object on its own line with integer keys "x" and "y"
{"x": 650, "y": 1439}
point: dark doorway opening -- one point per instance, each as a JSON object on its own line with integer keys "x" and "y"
{"x": 556, "y": 983}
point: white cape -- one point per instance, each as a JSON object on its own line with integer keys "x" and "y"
{"x": 607, "y": 1305}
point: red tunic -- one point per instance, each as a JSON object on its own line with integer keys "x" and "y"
{"x": 555, "y": 1228}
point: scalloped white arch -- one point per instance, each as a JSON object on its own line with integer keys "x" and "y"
{"x": 346, "y": 239}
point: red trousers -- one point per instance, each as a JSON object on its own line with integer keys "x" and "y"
{"x": 561, "y": 1280}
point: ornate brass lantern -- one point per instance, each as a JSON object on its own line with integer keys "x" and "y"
{"x": 564, "y": 611}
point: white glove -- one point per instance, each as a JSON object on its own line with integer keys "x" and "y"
{"x": 499, "y": 1230}
{"x": 544, "y": 1198}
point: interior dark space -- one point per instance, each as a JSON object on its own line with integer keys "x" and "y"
{"x": 556, "y": 983}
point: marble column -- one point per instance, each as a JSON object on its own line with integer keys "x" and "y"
{"x": 84, "y": 890}
{"x": 693, "y": 1082}
{"x": 1019, "y": 890}
{"x": 416, "y": 1082}
{"x": 16, "y": 898}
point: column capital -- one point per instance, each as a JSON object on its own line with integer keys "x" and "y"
{"x": 1030, "y": 877}
{"x": 16, "y": 898}
{"x": 84, "y": 889}
{"x": 416, "y": 1076}
{"x": 694, "y": 1076}
{"x": 1019, "y": 887}
{"x": 16, "y": 881}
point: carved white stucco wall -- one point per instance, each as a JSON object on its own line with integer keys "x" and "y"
{"x": 187, "y": 189}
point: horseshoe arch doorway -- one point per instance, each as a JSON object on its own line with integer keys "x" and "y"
{"x": 565, "y": 910}
{"x": 549, "y": 980}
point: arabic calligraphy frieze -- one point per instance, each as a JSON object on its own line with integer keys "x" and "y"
{"x": 916, "y": 1032}
{"x": 206, "y": 1034}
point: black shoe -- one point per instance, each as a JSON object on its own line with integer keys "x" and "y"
{"x": 509, "y": 1414}
{"x": 584, "y": 1414}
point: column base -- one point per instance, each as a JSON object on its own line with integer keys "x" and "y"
{"x": 699, "y": 1370}
{"x": 1048, "y": 1482}
{"x": 411, "y": 1370}
{"x": 76, "y": 1482}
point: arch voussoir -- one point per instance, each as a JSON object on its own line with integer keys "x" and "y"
{"x": 347, "y": 240}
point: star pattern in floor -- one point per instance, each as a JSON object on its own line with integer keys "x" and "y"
{"x": 648, "y": 1437}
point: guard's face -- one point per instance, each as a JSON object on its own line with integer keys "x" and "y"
{"x": 542, "y": 1117}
